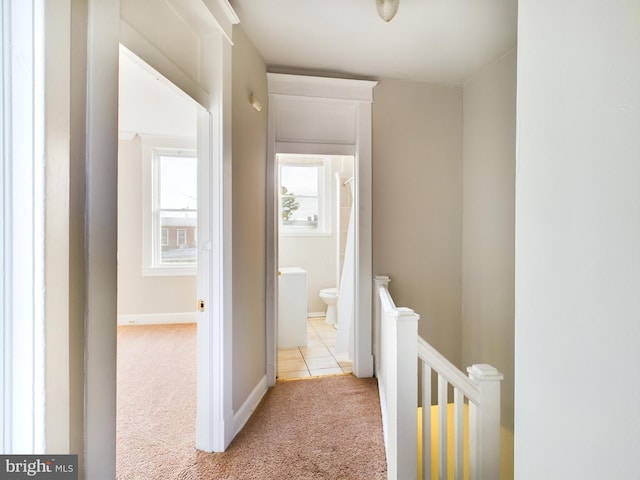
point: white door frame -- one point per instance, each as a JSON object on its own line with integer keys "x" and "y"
{"x": 22, "y": 143}
{"x": 214, "y": 418}
{"x": 320, "y": 104}
{"x": 94, "y": 104}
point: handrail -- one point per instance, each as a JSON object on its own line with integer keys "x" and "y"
{"x": 398, "y": 348}
{"x": 448, "y": 370}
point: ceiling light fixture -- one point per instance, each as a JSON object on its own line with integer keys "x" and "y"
{"x": 387, "y": 9}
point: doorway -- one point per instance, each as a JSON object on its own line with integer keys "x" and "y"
{"x": 331, "y": 116}
{"x": 157, "y": 265}
{"x": 315, "y": 264}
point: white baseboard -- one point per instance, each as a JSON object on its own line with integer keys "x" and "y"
{"x": 157, "y": 318}
{"x": 316, "y": 314}
{"x": 243, "y": 414}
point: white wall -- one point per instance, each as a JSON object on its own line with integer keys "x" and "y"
{"x": 577, "y": 241}
{"x": 317, "y": 255}
{"x": 417, "y": 203}
{"x": 488, "y": 230}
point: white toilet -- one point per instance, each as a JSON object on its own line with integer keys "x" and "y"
{"x": 330, "y": 297}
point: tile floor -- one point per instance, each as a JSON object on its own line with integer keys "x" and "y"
{"x": 317, "y": 358}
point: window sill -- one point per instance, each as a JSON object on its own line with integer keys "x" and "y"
{"x": 304, "y": 234}
{"x": 179, "y": 271}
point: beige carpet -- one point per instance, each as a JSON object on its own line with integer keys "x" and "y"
{"x": 326, "y": 428}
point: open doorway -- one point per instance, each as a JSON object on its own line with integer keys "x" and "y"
{"x": 157, "y": 268}
{"x": 316, "y": 260}
{"x": 327, "y": 116}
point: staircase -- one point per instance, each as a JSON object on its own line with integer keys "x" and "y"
{"x": 399, "y": 352}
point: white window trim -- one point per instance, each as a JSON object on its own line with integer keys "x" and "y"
{"x": 325, "y": 226}
{"x": 151, "y": 145}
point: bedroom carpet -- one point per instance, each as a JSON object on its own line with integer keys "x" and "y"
{"x": 319, "y": 428}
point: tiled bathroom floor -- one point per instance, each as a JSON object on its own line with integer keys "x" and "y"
{"x": 317, "y": 358}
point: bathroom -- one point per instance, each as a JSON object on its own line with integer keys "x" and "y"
{"x": 316, "y": 199}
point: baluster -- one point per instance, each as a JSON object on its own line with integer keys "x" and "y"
{"x": 458, "y": 436}
{"x": 426, "y": 421}
{"x": 443, "y": 386}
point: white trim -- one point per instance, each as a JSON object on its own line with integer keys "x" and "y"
{"x": 363, "y": 358}
{"x": 22, "y": 125}
{"x": 152, "y": 147}
{"x": 214, "y": 417}
{"x": 325, "y": 213}
{"x": 169, "y": 271}
{"x": 244, "y": 413}
{"x": 359, "y": 94}
{"x": 316, "y": 314}
{"x": 321, "y": 87}
{"x": 101, "y": 214}
{"x": 157, "y": 318}
{"x": 224, "y": 16}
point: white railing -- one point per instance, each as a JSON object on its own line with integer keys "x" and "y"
{"x": 397, "y": 346}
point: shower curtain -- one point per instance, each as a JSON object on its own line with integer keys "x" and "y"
{"x": 346, "y": 294}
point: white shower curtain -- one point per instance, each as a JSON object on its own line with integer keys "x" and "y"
{"x": 344, "y": 340}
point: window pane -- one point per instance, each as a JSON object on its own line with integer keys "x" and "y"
{"x": 300, "y": 180}
{"x": 304, "y": 214}
{"x": 299, "y": 191}
{"x": 178, "y": 203}
{"x": 178, "y": 182}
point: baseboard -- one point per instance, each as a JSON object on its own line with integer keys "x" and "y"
{"x": 243, "y": 414}
{"x": 157, "y": 318}
{"x": 316, "y": 314}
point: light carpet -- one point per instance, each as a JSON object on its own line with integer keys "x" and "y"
{"x": 322, "y": 428}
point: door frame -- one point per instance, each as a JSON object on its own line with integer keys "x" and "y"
{"x": 294, "y": 100}
{"x": 214, "y": 412}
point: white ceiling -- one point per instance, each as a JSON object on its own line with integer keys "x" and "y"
{"x": 149, "y": 104}
{"x": 440, "y": 41}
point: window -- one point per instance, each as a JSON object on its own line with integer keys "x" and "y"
{"x": 176, "y": 182}
{"x": 182, "y": 237}
{"x": 170, "y": 207}
{"x": 304, "y": 195}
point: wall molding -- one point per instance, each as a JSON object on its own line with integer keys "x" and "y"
{"x": 157, "y": 318}
{"x": 243, "y": 414}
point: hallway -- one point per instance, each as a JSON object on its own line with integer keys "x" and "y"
{"x": 324, "y": 428}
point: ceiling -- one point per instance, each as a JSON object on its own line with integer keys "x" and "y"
{"x": 440, "y": 41}
{"x": 151, "y": 105}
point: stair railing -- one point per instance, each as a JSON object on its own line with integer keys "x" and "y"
{"x": 398, "y": 347}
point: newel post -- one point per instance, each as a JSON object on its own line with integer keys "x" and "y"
{"x": 402, "y": 392}
{"x": 484, "y": 423}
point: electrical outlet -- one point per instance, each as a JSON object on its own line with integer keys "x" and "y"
{"x": 132, "y": 321}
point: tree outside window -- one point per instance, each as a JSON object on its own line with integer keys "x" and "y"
{"x": 303, "y": 195}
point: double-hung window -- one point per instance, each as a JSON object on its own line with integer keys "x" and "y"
{"x": 170, "y": 213}
{"x": 304, "y": 195}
